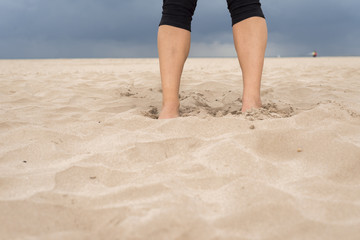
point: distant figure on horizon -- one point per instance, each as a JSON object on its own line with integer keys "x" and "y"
{"x": 314, "y": 53}
{"x": 250, "y": 38}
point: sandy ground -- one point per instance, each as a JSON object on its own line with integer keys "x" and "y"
{"x": 83, "y": 157}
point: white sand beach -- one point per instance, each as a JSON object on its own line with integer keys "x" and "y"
{"x": 82, "y": 155}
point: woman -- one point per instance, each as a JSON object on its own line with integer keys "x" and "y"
{"x": 250, "y": 37}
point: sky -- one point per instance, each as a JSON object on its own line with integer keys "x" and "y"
{"x": 128, "y": 28}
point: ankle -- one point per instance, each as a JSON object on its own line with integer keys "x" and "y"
{"x": 251, "y": 99}
{"x": 249, "y": 103}
{"x": 175, "y": 104}
{"x": 169, "y": 110}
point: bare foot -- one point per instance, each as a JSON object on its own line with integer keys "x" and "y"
{"x": 248, "y": 104}
{"x": 169, "y": 112}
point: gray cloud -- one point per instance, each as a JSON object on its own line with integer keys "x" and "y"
{"x": 295, "y": 27}
{"x": 128, "y": 28}
{"x": 328, "y": 26}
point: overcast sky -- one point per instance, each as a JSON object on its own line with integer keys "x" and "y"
{"x": 128, "y": 28}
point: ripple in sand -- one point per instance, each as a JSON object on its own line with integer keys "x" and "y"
{"x": 270, "y": 110}
{"x": 203, "y": 109}
{"x": 152, "y": 113}
{"x": 158, "y": 151}
{"x": 211, "y": 103}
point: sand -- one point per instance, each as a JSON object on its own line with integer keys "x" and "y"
{"x": 83, "y": 157}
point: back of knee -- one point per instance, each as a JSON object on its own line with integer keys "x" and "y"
{"x": 243, "y": 9}
{"x": 178, "y": 13}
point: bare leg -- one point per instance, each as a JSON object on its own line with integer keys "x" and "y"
{"x": 250, "y": 37}
{"x": 173, "y": 47}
